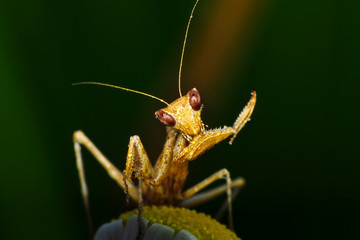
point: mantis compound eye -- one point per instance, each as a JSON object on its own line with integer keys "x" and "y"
{"x": 165, "y": 118}
{"x": 195, "y": 99}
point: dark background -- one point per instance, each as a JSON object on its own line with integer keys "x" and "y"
{"x": 299, "y": 154}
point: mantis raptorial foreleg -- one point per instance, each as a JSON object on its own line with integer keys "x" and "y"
{"x": 244, "y": 116}
{"x": 207, "y": 139}
{"x": 203, "y": 142}
{"x": 138, "y": 163}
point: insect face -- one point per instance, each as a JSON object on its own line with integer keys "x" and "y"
{"x": 183, "y": 114}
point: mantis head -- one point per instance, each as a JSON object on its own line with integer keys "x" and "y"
{"x": 183, "y": 114}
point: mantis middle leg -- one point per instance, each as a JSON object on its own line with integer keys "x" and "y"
{"x": 205, "y": 196}
{"x": 81, "y": 139}
{"x": 206, "y": 182}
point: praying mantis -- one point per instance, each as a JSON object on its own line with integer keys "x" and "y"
{"x": 187, "y": 138}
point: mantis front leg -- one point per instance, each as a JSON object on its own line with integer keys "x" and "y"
{"x": 138, "y": 164}
{"x": 207, "y": 139}
{"x": 244, "y": 116}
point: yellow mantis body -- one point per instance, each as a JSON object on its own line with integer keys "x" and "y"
{"x": 187, "y": 138}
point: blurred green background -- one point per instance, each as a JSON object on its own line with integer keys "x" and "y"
{"x": 299, "y": 154}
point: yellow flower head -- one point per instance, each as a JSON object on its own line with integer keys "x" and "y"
{"x": 197, "y": 225}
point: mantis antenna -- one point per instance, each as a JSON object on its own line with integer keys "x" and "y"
{"x": 183, "y": 49}
{"x": 122, "y": 88}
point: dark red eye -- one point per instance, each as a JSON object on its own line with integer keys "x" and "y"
{"x": 195, "y": 99}
{"x": 165, "y": 118}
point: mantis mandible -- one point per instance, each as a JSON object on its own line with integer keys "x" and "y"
{"x": 187, "y": 138}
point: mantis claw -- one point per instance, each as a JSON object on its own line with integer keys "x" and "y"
{"x": 244, "y": 116}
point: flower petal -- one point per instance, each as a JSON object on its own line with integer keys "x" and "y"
{"x": 132, "y": 228}
{"x": 110, "y": 231}
{"x": 159, "y": 232}
{"x": 185, "y": 235}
